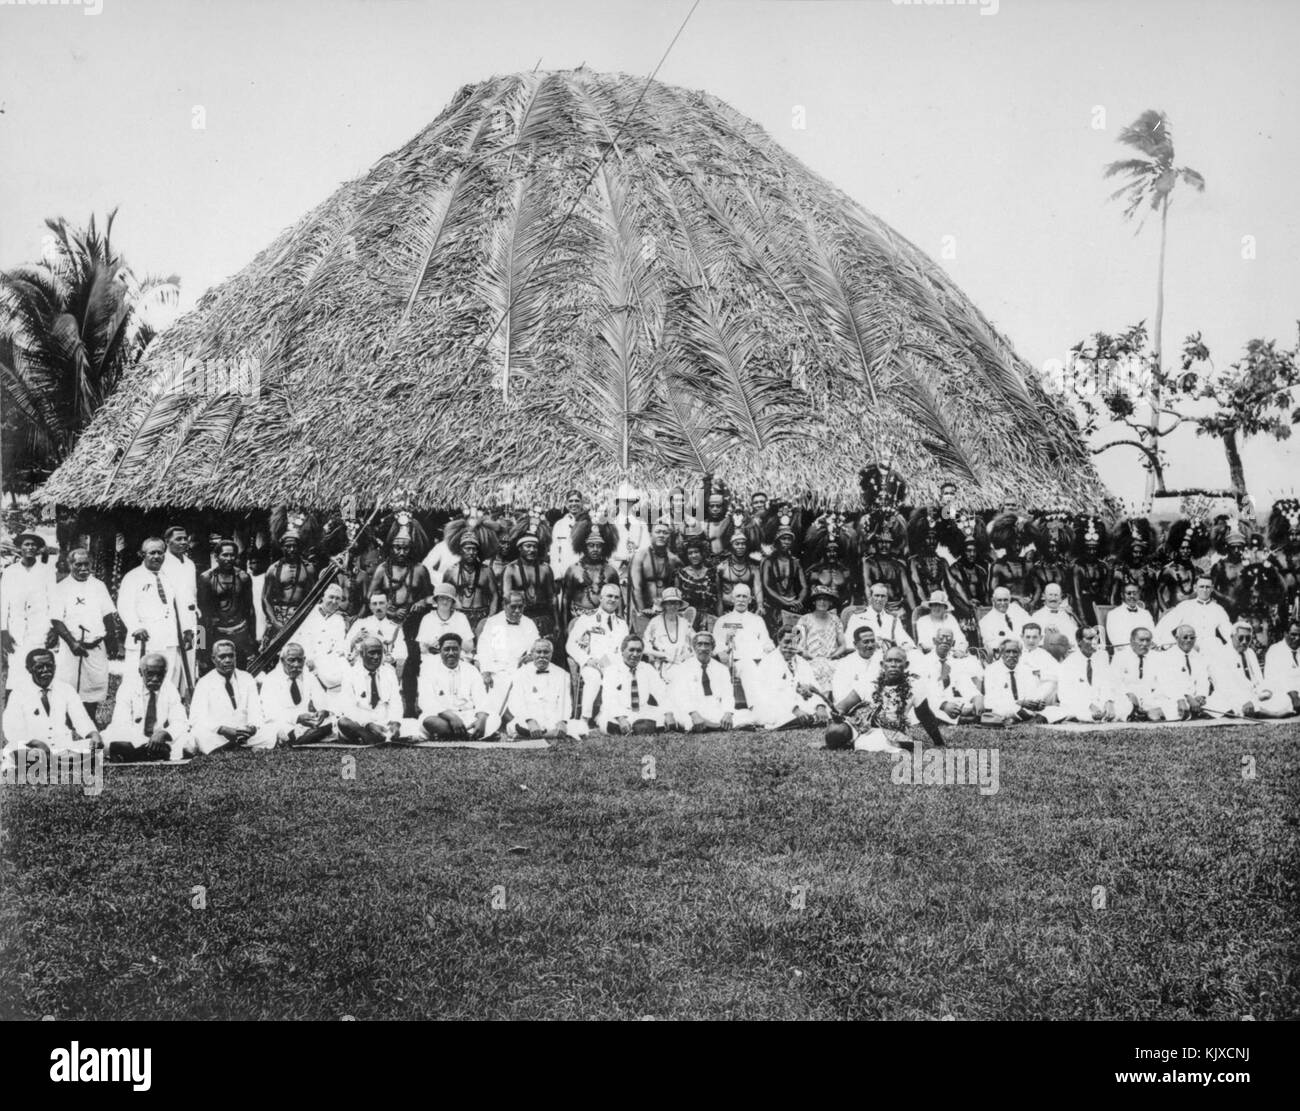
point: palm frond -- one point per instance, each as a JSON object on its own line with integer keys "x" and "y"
{"x": 215, "y": 416}
{"x": 166, "y": 396}
{"x": 537, "y": 108}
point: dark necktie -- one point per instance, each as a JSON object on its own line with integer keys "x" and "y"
{"x": 609, "y": 622}
{"x": 943, "y": 674}
{"x": 162, "y": 594}
{"x": 1089, "y": 671}
{"x": 45, "y": 700}
{"x": 230, "y": 690}
{"x": 374, "y": 689}
{"x": 636, "y": 694}
{"x": 704, "y": 679}
{"x": 1295, "y": 659}
{"x": 1015, "y": 692}
{"x": 1008, "y": 621}
{"x": 151, "y": 714}
{"x": 1245, "y": 667}
{"x": 1142, "y": 660}
{"x": 294, "y": 692}
{"x": 1187, "y": 662}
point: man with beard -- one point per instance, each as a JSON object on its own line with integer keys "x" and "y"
{"x": 1226, "y": 574}
{"x": 783, "y": 582}
{"x": 149, "y": 719}
{"x": 969, "y": 576}
{"x": 288, "y": 581}
{"x": 585, "y": 580}
{"x": 147, "y": 605}
{"x": 82, "y": 616}
{"x": 831, "y": 567}
{"x": 226, "y": 607}
{"x": 535, "y": 581}
{"x": 927, "y": 570}
{"x": 654, "y": 569}
{"x": 1134, "y": 564}
{"x": 539, "y": 701}
{"x": 26, "y": 599}
{"x": 1260, "y": 592}
{"x": 408, "y": 588}
{"x": 562, "y": 553}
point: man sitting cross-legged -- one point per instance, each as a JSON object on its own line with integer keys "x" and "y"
{"x": 785, "y": 688}
{"x": 700, "y": 693}
{"x": 1239, "y": 686}
{"x": 1011, "y": 692}
{"x": 627, "y": 685}
{"x": 454, "y": 703}
{"x": 877, "y": 719}
{"x": 294, "y": 701}
{"x": 370, "y": 706}
{"x": 1183, "y": 677}
{"x": 226, "y": 709}
{"x": 1282, "y": 666}
{"x": 538, "y": 703}
{"x": 949, "y": 687}
{"x": 149, "y": 719}
{"x": 1088, "y": 689}
{"x": 1136, "y": 677}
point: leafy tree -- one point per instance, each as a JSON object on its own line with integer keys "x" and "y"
{"x": 69, "y": 326}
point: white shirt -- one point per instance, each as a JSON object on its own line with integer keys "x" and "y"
{"x": 277, "y": 699}
{"x": 389, "y": 633}
{"x": 140, "y": 606}
{"x": 80, "y": 605}
{"x": 1076, "y": 694}
{"x": 1061, "y": 621}
{"x": 26, "y": 599}
{"x": 502, "y": 646}
{"x": 776, "y": 697}
{"x": 1209, "y": 619}
{"x": 886, "y": 626}
{"x": 1044, "y": 668}
{"x": 1179, "y": 674}
{"x": 616, "y": 691}
{"x": 1228, "y": 674}
{"x": 355, "y": 704}
{"x": 1281, "y": 669}
{"x": 432, "y": 626}
{"x": 459, "y": 689}
{"x": 854, "y": 674}
{"x": 320, "y": 636}
{"x": 998, "y": 694}
{"x": 751, "y": 642}
{"x": 542, "y": 696}
{"x": 562, "y": 554}
{"x": 927, "y": 626}
{"x": 184, "y": 576}
{"x": 675, "y": 650}
{"x": 1138, "y": 676}
{"x": 958, "y": 688}
{"x": 211, "y": 708}
{"x": 686, "y": 691}
{"x": 995, "y": 627}
{"x": 605, "y": 642}
{"x": 440, "y": 558}
{"x": 132, "y": 706}
{"x": 1121, "y": 621}
{"x": 26, "y": 719}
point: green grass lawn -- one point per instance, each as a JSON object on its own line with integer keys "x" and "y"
{"x": 673, "y": 896}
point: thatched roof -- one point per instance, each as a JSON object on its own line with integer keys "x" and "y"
{"x": 710, "y": 306}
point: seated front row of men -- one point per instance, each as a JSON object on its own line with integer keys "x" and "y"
{"x": 1025, "y": 683}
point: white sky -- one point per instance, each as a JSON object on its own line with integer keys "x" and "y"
{"x": 945, "y": 121}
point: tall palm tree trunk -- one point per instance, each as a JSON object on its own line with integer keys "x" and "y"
{"x": 1155, "y": 480}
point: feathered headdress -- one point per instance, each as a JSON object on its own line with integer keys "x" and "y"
{"x": 472, "y": 523}
{"x": 530, "y": 523}
{"x": 1090, "y": 535}
{"x": 1015, "y": 534}
{"x": 962, "y": 528}
{"x": 1135, "y": 528}
{"x": 923, "y": 530}
{"x": 882, "y": 488}
{"x": 404, "y": 526}
{"x": 1284, "y": 522}
{"x": 598, "y": 519}
{"x": 1056, "y": 527}
{"x": 1194, "y": 531}
{"x": 832, "y": 528}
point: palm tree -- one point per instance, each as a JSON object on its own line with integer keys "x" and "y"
{"x": 1152, "y": 178}
{"x": 69, "y": 326}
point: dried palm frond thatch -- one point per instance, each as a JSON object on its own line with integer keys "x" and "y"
{"x": 562, "y": 282}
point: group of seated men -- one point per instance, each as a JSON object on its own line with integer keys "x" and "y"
{"x": 332, "y": 683}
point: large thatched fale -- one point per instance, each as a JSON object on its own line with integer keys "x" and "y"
{"x": 709, "y": 306}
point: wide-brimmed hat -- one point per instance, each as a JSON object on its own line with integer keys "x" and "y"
{"x": 822, "y": 591}
{"x": 671, "y": 594}
{"x": 444, "y": 590}
{"x": 938, "y": 598}
{"x": 22, "y": 536}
